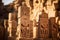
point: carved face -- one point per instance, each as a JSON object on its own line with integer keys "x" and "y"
{"x": 25, "y": 16}
{"x": 25, "y": 21}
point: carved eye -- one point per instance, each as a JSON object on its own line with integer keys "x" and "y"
{"x": 37, "y": 2}
{"x": 21, "y": 31}
{"x": 22, "y": 25}
{"x": 42, "y": 26}
{"x": 54, "y": 26}
{"x": 24, "y": 13}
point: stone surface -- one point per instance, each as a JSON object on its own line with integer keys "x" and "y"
{"x": 29, "y": 20}
{"x": 43, "y": 26}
